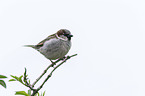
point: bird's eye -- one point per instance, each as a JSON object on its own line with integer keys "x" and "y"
{"x": 65, "y": 34}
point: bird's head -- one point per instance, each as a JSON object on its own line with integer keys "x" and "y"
{"x": 64, "y": 33}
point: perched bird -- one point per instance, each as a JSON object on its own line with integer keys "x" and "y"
{"x": 55, "y": 46}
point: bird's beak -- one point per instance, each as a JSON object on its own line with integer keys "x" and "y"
{"x": 70, "y": 35}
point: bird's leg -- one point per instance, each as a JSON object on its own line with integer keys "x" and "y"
{"x": 63, "y": 58}
{"x": 53, "y": 63}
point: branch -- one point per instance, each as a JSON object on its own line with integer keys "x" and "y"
{"x": 45, "y": 72}
{"x": 36, "y": 91}
{"x": 26, "y": 82}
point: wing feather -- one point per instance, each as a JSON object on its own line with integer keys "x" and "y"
{"x": 40, "y": 44}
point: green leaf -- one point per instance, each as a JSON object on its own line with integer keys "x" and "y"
{"x": 15, "y": 77}
{"x": 38, "y": 94}
{"x": 2, "y": 76}
{"x": 21, "y": 93}
{"x": 29, "y": 92}
{"x": 12, "y": 80}
{"x": 29, "y": 81}
{"x": 20, "y": 79}
{"x": 3, "y": 83}
{"x": 25, "y": 72}
{"x": 43, "y": 93}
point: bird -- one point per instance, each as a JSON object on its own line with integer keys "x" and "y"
{"x": 55, "y": 46}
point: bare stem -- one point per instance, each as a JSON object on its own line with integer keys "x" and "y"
{"x": 26, "y": 82}
{"x": 44, "y": 72}
{"x": 35, "y": 91}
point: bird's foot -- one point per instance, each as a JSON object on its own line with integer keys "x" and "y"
{"x": 53, "y": 63}
{"x": 63, "y": 58}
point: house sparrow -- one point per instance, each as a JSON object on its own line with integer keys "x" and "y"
{"x": 54, "y": 46}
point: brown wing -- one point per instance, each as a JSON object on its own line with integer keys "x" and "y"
{"x": 42, "y": 42}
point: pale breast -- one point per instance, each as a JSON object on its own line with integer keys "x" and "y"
{"x": 55, "y": 48}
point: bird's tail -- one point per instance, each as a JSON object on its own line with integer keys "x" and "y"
{"x": 33, "y": 46}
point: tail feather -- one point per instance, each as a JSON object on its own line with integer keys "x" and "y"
{"x": 33, "y": 46}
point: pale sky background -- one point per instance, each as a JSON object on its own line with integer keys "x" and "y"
{"x": 109, "y": 38}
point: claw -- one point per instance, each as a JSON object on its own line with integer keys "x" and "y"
{"x": 53, "y": 63}
{"x": 63, "y": 58}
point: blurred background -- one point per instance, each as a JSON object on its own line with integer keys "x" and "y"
{"x": 109, "y": 38}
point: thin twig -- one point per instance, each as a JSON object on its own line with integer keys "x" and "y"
{"x": 26, "y": 82}
{"x": 68, "y": 57}
{"x": 45, "y": 72}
